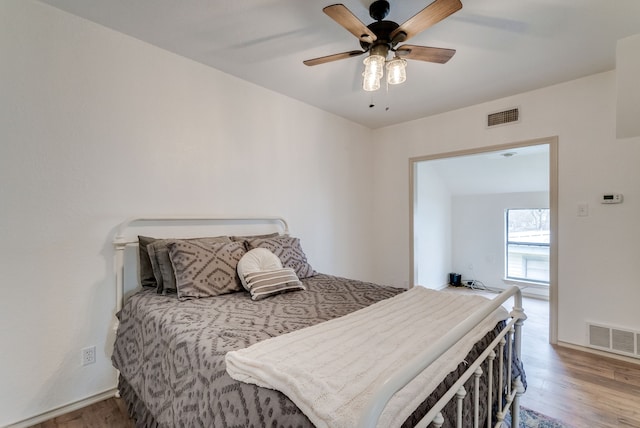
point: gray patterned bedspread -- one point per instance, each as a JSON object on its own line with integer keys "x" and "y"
{"x": 171, "y": 353}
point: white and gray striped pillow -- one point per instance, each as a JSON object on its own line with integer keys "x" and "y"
{"x": 266, "y": 283}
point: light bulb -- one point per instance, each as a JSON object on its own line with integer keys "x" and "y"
{"x": 396, "y": 71}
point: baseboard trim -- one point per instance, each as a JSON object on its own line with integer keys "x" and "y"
{"x": 610, "y": 355}
{"x": 67, "y": 408}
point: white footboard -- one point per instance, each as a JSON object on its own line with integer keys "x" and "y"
{"x": 507, "y": 400}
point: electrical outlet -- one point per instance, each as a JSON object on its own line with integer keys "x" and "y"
{"x": 88, "y": 355}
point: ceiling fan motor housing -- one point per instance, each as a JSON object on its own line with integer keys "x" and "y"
{"x": 382, "y": 30}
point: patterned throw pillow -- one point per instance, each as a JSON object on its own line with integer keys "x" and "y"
{"x": 267, "y": 283}
{"x": 204, "y": 270}
{"x": 289, "y": 251}
{"x": 158, "y": 252}
{"x": 245, "y": 239}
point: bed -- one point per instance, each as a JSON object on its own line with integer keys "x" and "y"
{"x": 239, "y": 356}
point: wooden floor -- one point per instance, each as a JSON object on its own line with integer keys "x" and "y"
{"x": 580, "y": 389}
{"x": 111, "y": 413}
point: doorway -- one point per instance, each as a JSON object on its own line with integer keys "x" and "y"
{"x": 459, "y": 202}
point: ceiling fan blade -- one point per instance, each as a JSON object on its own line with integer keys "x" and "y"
{"x": 334, "y": 57}
{"x": 344, "y": 17}
{"x": 430, "y": 15}
{"x": 425, "y": 53}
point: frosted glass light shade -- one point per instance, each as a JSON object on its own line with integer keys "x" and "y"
{"x": 396, "y": 71}
{"x": 371, "y": 82}
{"x": 373, "y": 71}
{"x": 374, "y": 64}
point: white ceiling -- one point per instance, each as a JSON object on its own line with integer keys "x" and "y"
{"x": 522, "y": 169}
{"x": 503, "y": 47}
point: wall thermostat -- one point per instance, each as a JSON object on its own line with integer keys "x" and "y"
{"x": 611, "y": 198}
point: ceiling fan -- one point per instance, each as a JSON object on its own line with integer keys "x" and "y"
{"x": 381, "y": 36}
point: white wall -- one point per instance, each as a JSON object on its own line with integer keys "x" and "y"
{"x": 432, "y": 228}
{"x": 628, "y": 70}
{"x": 479, "y": 231}
{"x": 598, "y": 254}
{"x": 97, "y": 127}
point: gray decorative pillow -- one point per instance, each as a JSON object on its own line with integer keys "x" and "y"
{"x": 145, "y": 270}
{"x": 161, "y": 264}
{"x": 205, "y": 269}
{"x": 267, "y": 283}
{"x": 247, "y": 238}
{"x": 289, "y": 251}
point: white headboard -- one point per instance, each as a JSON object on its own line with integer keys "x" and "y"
{"x": 126, "y": 239}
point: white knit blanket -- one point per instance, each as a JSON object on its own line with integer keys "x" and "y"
{"x": 329, "y": 370}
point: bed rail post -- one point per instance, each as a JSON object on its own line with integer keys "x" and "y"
{"x": 490, "y": 358}
{"x": 462, "y": 392}
{"x": 438, "y": 421}
{"x": 500, "y": 378}
{"x": 515, "y": 408}
{"x": 118, "y": 262}
{"x": 518, "y": 314}
{"x": 476, "y": 396}
{"x": 119, "y": 244}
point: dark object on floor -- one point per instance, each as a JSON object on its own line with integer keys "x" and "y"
{"x": 455, "y": 279}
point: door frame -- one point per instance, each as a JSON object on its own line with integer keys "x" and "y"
{"x": 553, "y": 208}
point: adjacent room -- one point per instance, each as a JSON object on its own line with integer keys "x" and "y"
{"x": 385, "y": 144}
{"x": 461, "y": 206}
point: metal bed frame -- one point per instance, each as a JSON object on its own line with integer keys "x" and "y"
{"x": 510, "y": 337}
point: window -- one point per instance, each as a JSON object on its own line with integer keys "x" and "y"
{"x": 528, "y": 244}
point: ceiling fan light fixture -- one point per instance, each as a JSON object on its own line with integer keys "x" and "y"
{"x": 382, "y": 36}
{"x": 374, "y": 65}
{"x": 373, "y": 71}
{"x": 371, "y": 84}
{"x": 396, "y": 71}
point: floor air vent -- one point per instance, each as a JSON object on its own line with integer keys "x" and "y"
{"x": 503, "y": 117}
{"x": 611, "y": 339}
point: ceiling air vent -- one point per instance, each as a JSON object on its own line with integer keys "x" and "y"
{"x": 503, "y": 117}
